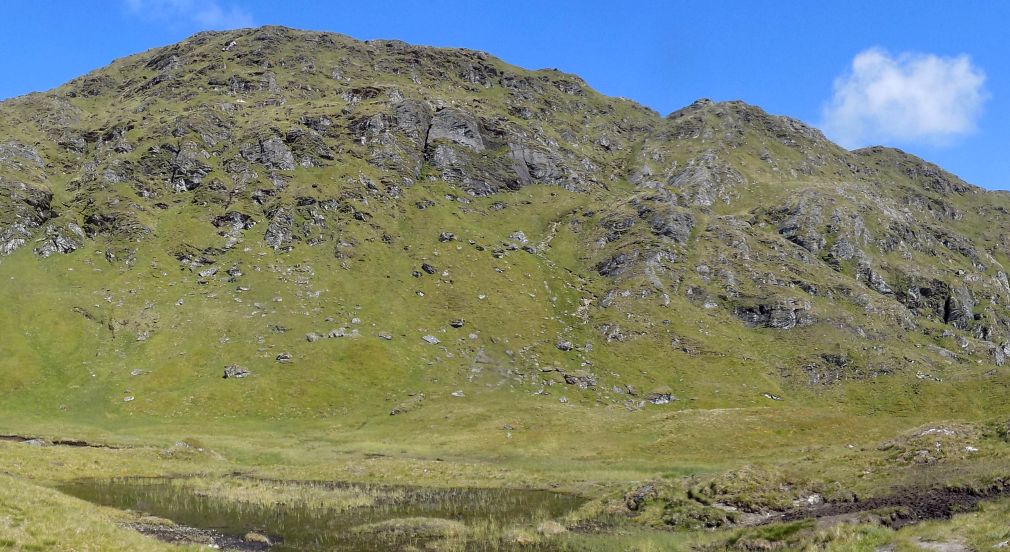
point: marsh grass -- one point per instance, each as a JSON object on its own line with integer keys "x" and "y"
{"x": 41, "y": 519}
{"x": 318, "y": 515}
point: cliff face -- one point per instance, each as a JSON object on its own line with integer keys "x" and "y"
{"x": 356, "y": 226}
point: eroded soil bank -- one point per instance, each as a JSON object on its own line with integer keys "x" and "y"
{"x": 903, "y": 507}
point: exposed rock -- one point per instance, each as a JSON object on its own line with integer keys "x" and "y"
{"x": 60, "y": 241}
{"x": 271, "y": 152}
{"x": 235, "y": 371}
{"x": 616, "y": 265}
{"x": 1000, "y": 353}
{"x": 234, "y": 220}
{"x": 457, "y": 127}
{"x": 661, "y": 395}
{"x": 533, "y": 165}
{"x": 637, "y": 498}
{"x": 707, "y": 180}
{"x": 669, "y": 222}
{"x": 25, "y": 208}
{"x": 581, "y": 379}
{"x": 958, "y": 309}
{"x": 15, "y": 153}
{"x": 187, "y": 167}
{"x": 519, "y": 237}
{"x": 279, "y": 232}
{"x": 782, "y": 315}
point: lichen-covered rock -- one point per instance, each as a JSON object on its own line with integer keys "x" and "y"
{"x": 235, "y": 220}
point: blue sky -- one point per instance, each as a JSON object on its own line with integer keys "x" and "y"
{"x": 930, "y": 77}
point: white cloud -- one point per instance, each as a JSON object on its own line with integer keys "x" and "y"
{"x": 912, "y": 97}
{"x": 205, "y": 14}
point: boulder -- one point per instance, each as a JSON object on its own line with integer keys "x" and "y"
{"x": 581, "y": 379}
{"x": 235, "y": 371}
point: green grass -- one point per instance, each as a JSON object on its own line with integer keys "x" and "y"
{"x": 36, "y": 518}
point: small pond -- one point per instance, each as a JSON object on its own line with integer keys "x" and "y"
{"x": 395, "y": 518}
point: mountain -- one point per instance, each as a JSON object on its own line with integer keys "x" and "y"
{"x": 287, "y": 227}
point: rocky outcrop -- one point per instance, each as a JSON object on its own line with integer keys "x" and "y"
{"x": 16, "y": 155}
{"x": 785, "y": 314}
{"x": 958, "y": 308}
{"x": 60, "y": 239}
{"x": 25, "y": 208}
{"x": 271, "y": 152}
{"x": 456, "y": 127}
{"x": 187, "y": 167}
{"x": 616, "y": 265}
{"x": 705, "y": 181}
{"x": 278, "y": 234}
{"x": 665, "y": 220}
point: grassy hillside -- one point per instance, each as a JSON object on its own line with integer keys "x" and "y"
{"x": 428, "y": 266}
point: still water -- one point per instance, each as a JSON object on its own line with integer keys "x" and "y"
{"x": 409, "y": 517}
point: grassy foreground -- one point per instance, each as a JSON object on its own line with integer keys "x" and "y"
{"x": 760, "y": 458}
